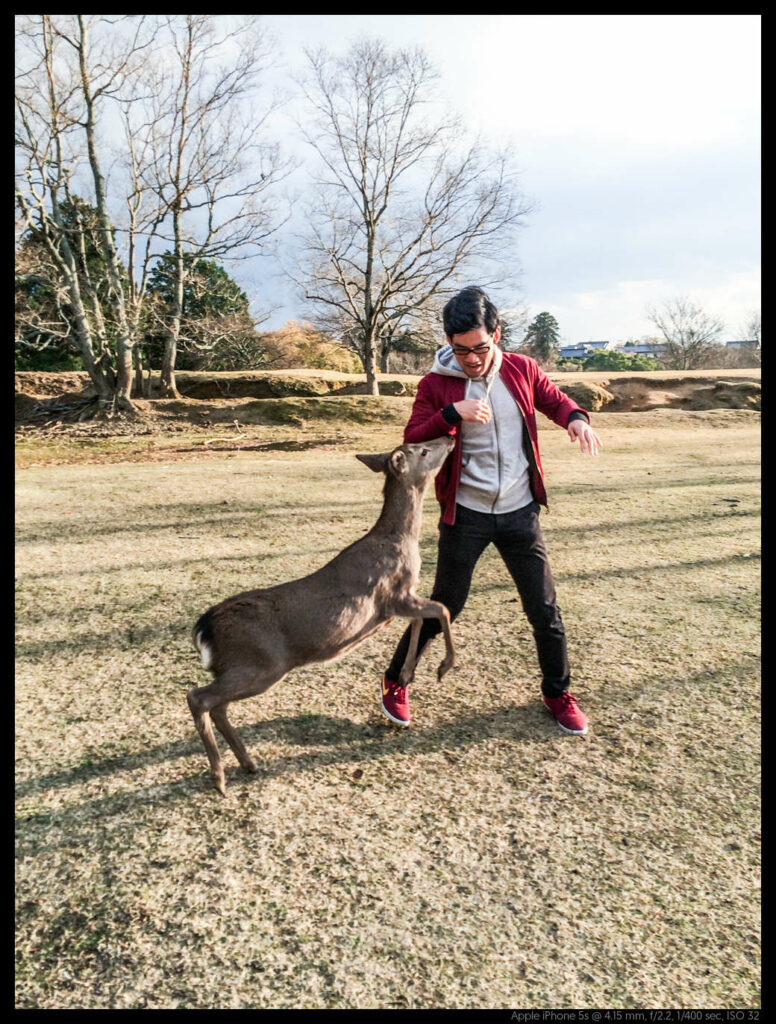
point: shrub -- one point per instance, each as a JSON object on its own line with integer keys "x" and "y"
{"x": 298, "y": 344}
{"x": 611, "y": 359}
{"x": 46, "y": 359}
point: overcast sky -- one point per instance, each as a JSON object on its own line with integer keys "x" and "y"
{"x": 638, "y": 141}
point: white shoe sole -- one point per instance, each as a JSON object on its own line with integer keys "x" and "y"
{"x": 571, "y": 732}
{"x": 396, "y": 721}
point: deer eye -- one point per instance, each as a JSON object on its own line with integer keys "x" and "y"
{"x": 424, "y": 452}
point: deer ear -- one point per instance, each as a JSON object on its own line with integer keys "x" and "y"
{"x": 399, "y": 462}
{"x": 377, "y": 463}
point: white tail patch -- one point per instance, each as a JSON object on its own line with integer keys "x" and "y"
{"x": 204, "y": 651}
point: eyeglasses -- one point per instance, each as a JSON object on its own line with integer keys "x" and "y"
{"x": 478, "y": 350}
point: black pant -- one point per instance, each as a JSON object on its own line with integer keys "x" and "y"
{"x": 519, "y": 541}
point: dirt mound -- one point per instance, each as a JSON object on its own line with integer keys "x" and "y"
{"x": 286, "y": 411}
{"x": 207, "y": 386}
{"x": 51, "y": 384}
{"x": 590, "y": 396}
{"x": 294, "y": 397}
{"x": 204, "y": 386}
{"x": 635, "y": 394}
{"x": 260, "y": 387}
{"x": 396, "y": 388}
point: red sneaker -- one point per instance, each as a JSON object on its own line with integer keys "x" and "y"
{"x": 568, "y": 714}
{"x": 396, "y": 702}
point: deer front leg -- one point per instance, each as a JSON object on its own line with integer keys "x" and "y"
{"x": 417, "y": 608}
{"x": 408, "y": 668}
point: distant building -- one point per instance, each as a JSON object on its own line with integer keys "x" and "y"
{"x": 573, "y": 352}
{"x": 749, "y": 343}
{"x": 585, "y": 348}
{"x": 646, "y": 349}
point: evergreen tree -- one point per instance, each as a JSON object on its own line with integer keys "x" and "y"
{"x": 209, "y": 290}
{"x": 45, "y": 326}
{"x": 542, "y": 340}
{"x": 215, "y": 309}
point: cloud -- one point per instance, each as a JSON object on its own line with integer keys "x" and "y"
{"x": 619, "y": 311}
{"x": 637, "y": 137}
{"x": 664, "y": 80}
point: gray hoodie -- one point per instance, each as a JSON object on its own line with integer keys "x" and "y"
{"x": 494, "y": 466}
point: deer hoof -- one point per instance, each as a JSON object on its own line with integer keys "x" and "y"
{"x": 250, "y": 765}
{"x": 219, "y": 781}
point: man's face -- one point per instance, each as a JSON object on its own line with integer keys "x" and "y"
{"x": 475, "y": 350}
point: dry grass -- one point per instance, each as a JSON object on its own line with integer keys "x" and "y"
{"x": 478, "y": 859}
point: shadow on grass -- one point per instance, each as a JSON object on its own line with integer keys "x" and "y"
{"x": 129, "y": 637}
{"x": 327, "y": 741}
{"x": 215, "y": 513}
{"x": 177, "y": 563}
{"x": 334, "y": 741}
{"x": 655, "y": 483}
{"x": 124, "y": 639}
{"x": 634, "y": 572}
{"x": 661, "y": 524}
{"x": 191, "y": 516}
{"x": 427, "y": 544}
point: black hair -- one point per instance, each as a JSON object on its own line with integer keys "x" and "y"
{"x": 468, "y": 310}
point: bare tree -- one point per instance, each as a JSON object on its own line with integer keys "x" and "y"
{"x": 42, "y": 313}
{"x": 207, "y": 161}
{"x": 514, "y": 326}
{"x": 143, "y": 215}
{"x": 752, "y": 327}
{"x": 404, "y": 208}
{"x": 63, "y": 82}
{"x": 690, "y": 333}
{"x": 101, "y": 75}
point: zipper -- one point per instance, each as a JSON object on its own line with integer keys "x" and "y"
{"x": 498, "y": 450}
{"x": 530, "y": 453}
{"x": 488, "y": 385}
{"x": 527, "y": 444}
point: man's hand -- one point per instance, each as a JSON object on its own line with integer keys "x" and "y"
{"x": 473, "y": 410}
{"x": 580, "y": 430}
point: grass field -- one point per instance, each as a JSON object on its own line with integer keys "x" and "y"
{"x": 478, "y": 859}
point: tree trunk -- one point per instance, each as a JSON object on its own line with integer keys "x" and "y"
{"x": 123, "y": 386}
{"x": 370, "y": 356}
{"x": 167, "y": 386}
{"x": 124, "y": 376}
{"x": 98, "y": 367}
{"x": 142, "y": 384}
{"x": 103, "y": 385}
{"x": 370, "y": 365}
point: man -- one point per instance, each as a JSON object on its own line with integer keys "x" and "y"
{"x": 491, "y": 487}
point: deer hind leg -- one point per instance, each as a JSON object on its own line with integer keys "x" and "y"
{"x": 200, "y": 702}
{"x": 211, "y": 701}
{"x": 224, "y": 726}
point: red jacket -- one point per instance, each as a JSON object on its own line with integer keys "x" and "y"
{"x": 531, "y": 388}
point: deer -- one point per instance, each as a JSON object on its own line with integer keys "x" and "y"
{"x": 252, "y": 640}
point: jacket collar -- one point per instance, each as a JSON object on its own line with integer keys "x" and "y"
{"x": 446, "y": 364}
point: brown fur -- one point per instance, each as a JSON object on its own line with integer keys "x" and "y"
{"x": 254, "y": 638}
